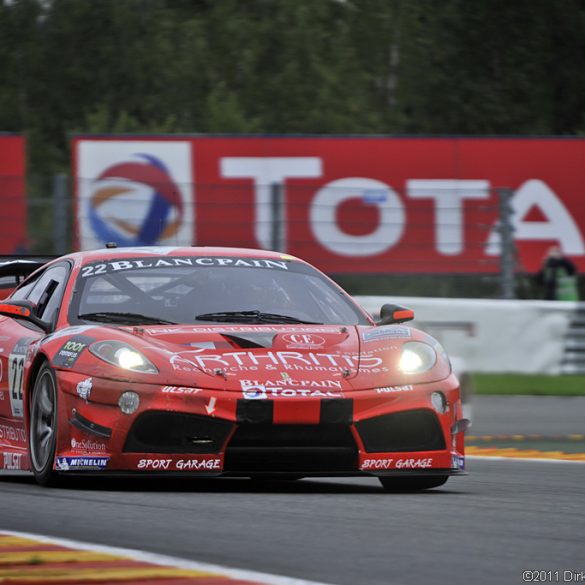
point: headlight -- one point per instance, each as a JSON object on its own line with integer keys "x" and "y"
{"x": 417, "y": 357}
{"x": 123, "y": 355}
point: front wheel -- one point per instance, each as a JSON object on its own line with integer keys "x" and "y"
{"x": 412, "y": 484}
{"x": 43, "y": 426}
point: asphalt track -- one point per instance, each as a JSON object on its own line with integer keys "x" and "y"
{"x": 506, "y": 517}
{"x": 545, "y": 415}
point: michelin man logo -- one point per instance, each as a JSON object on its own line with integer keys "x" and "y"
{"x": 62, "y": 464}
{"x": 84, "y": 388}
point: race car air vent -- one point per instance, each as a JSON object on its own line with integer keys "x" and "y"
{"x": 171, "y": 432}
{"x": 291, "y": 448}
{"x": 89, "y": 426}
{"x": 414, "y": 430}
{"x": 251, "y": 340}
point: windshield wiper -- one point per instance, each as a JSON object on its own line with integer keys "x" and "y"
{"x": 253, "y": 317}
{"x": 132, "y": 318}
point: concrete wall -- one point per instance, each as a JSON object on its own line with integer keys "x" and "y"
{"x": 493, "y": 335}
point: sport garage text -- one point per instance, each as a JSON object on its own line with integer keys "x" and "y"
{"x": 398, "y": 464}
{"x": 180, "y": 465}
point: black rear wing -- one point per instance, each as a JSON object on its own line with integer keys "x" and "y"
{"x": 14, "y": 269}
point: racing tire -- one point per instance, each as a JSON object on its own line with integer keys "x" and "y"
{"x": 43, "y": 426}
{"x": 412, "y": 484}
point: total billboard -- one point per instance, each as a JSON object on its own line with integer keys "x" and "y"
{"x": 12, "y": 194}
{"x": 348, "y": 204}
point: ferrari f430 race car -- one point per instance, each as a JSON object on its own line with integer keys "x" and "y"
{"x": 217, "y": 361}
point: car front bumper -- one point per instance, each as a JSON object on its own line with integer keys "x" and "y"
{"x": 394, "y": 431}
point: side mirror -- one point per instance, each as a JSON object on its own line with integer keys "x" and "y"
{"x": 23, "y": 310}
{"x": 394, "y": 314}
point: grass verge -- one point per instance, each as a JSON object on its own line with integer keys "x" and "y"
{"x": 529, "y": 384}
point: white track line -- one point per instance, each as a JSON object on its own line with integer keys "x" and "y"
{"x": 533, "y": 459}
{"x": 167, "y": 561}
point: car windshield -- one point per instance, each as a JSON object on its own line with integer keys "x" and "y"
{"x": 195, "y": 289}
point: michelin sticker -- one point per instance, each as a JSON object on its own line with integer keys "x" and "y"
{"x": 81, "y": 463}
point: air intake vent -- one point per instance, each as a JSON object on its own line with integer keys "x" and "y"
{"x": 289, "y": 448}
{"x": 170, "y": 432}
{"x": 415, "y": 430}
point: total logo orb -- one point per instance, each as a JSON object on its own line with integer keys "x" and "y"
{"x": 136, "y": 203}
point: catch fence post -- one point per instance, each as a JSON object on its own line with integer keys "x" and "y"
{"x": 508, "y": 247}
{"x": 60, "y": 207}
{"x": 277, "y": 218}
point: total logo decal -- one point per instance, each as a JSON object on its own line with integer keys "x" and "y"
{"x": 243, "y": 361}
{"x": 141, "y": 176}
{"x": 135, "y": 192}
{"x": 87, "y": 446}
{"x": 202, "y": 464}
{"x": 254, "y": 390}
{"x": 81, "y": 463}
{"x": 420, "y": 463}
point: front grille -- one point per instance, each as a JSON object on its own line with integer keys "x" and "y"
{"x": 171, "y": 432}
{"x": 414, "y": 430}
{"x": 289, "y": 448}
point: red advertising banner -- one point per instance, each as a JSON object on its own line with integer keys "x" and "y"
{"x": 346, "y": 204}
{"x": 12, "y": 195}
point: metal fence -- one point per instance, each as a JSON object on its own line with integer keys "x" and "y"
{"x": 291, "y": 219}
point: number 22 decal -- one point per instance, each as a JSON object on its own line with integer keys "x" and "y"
{"x": 15, "y": 380}
{"x": 93, "y": 270}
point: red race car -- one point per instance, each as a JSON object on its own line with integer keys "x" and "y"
{"x": 217, "y": 361}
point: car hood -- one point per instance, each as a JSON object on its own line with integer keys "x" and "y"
{"x": 236, "y": 357}
{"x": 241, "y": 357}
{"x": 230, "y": 356}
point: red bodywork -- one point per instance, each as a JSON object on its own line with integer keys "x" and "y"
{"x": 313, "y": 400}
